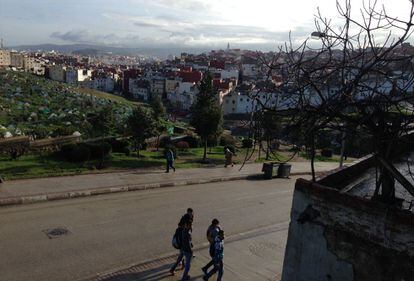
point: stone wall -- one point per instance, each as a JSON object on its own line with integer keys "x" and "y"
{"x": 336, "y": 236}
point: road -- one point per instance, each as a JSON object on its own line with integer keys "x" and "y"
{"x": 111, "y": 231}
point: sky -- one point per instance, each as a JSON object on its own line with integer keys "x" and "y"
{"x": 254, "y": 24}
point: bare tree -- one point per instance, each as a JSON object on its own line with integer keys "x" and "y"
{"x": 359, "y": 80}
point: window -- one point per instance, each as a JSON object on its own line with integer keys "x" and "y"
{"x": 233, "y": 102}
{"x": 241, "y": 99}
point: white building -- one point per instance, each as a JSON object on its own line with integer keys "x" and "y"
{"x": 84, "y": 74}
{"x": 184, "y": 96}
{"x": 250, "y": 70}
{"x": 229, "y": 74}
{"x": 245, "y": 103}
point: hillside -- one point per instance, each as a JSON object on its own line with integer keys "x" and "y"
{"x": 39, "y": 107}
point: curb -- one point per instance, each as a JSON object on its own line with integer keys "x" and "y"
{"x": 39, "y": 198}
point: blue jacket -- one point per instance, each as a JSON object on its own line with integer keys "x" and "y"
{"x": 219, "y": 249}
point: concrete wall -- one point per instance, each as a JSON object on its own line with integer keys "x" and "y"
{"x": 336, "y": 236}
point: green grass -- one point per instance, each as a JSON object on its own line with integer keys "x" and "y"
{"x": 320, "y": 158}
{"x": 47, "y": 165}
{"x": 274, "y": 157}
{"x": 104, "y": 95}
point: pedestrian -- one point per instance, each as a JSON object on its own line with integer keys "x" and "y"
{"x": 187, "y": 217}
{"x": 187, "y": 249}
{"x": 212, "y": 232}
{"x": 169, "y": 156}
{"x": 229, "y": 157}
{"x": 218, "y": 257}
{"x": 178, "y": 236}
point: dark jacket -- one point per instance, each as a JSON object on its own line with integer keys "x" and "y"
{"x": 212, "y": 232}
{"x": 179, "y": 236}
{"x": 170, "y": 156}
{"x": 186, "y": 245}
{"x": 185, "y": 219}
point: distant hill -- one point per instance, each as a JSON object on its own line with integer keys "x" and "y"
{"x": 87, "y": 52}
{"x": 96, "y": 49}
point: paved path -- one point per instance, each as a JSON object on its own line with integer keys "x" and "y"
{"x": 111, "y": 232}
{"x": 33, "y": 190}
{"x": 255, "y": 255}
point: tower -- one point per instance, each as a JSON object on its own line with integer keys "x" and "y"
{"x": 228, "y": 46}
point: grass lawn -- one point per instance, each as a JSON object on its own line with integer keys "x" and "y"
{"x": 36, "y": 165}
{"x": 320, "y": 158}
{"x": 46, "y": 165}
{"x": 105, "y": 95}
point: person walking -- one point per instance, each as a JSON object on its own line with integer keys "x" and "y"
{"x": 218, "y": 257}
{"x": 187, "y": 249}
{"x": 187, "y": 217}
{"x": 178, "y": 236}
{"x": 169, "y": 156}
{"x": 212, "y": 232}
{"x": 229, "y": 157}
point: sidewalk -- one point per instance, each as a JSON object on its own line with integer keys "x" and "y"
{"x": 257, "y": 255}
{"x": 56, "y": 188}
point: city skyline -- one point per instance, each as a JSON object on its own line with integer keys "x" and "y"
{"x": 165, "y": 23}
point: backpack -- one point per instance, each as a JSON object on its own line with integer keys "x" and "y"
{"x": 176, "y": 240}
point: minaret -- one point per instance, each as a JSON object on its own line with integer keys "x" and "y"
{"x": 228, "y": 46}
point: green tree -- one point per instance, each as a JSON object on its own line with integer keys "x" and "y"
{"x": 141, "y": 125}
{"x": 206, "y": 115}
{"x": 159, "y": 113}
{"x": 271, "y": 128}
{"x": 102, "y": 124}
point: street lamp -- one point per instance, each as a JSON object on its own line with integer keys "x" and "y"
{"x": 318, "y": 35}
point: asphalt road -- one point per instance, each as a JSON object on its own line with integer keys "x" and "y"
{"x": 111, "y": 231}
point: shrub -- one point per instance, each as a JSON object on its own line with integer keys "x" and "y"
{"x": 193, "y": 141}
{"x": 326, "y": 153}
{"x": 119, "y": 145}
{"x": 211, "y": 142}
{"x": 66, "y": 150}
{"x": 247, "y": 143}
{"x": 227, "y": 140}
{"x": 97, "y": 149}
{"x": 81, "y": 153}
{"x": 182, "y": 145}
{"x": 127, "y": 151}
{"x": 75, "y": 152}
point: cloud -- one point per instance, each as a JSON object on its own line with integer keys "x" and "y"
{"x": 199, "y": 32}
{"x": 188, "y": 5}
{"x": 86, "y": 37}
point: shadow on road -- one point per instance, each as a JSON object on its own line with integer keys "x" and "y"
{"x": 152, "y": 274}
